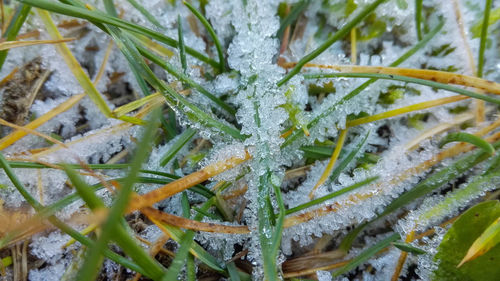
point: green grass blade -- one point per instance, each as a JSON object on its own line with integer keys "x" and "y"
{"x": 418, "y": 18}
{"x": 484, "y": 37}
{"x": 358, "y": 90}
{"x": 22, "y": 12}
{"x": 146, "y": 14}
{"x": 233, "y": 272}
{"x": 92, "y": 263}
{"x": 182, "y": 49}
{"x": 334, "y": 38}
{"x": 100, "y": 17}
{"x": 468, "y": 138}
{"x": 211, "y": 31}
{"x": 331, "y": 195}
{"x": 365, "y": 255}
{"x": 428, "y": 83}
{"x": 179, "y": 143}
{"x": 292, "y": 16}
{"x": 348, "y": 159}
{"x": 408, "y": 248}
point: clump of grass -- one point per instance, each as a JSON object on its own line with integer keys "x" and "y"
{"x": 144, "y": 49}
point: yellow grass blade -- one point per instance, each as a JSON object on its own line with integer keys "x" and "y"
{"x": 131, "y": 106}
{"x": 85, "y": 231}
{"x": 30, "y": 131}
{"x": 18, "y": 134}
{"x": 184, "y": 183}
{"x": 404, "y": 110}
{"x": 155, "y": 47}
{"x": 16, "y": 44}
{"x": 73, "y": 64}
{"x": 192, "y": 224}
{"x": 426, "y": 74}
{"x": 354, "y": 55}
{"x": 331, "y": 163}
{"x": 487, "y": 240}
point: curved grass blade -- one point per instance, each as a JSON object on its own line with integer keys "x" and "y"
{"x": 432, "y": 84}
{"x": 368, "y": 253}
{"x": 468, "y": 138}
{"x": 334, "y": 38}
{"x": 211, "y": 31}
{"x": 15, "y": 25}
{"x": 408, "y": 248}
{"x": 100, "y": 17}
{"x": 365, "y": 85}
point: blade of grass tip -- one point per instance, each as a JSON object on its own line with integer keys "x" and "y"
{"x": 177, "y": 145}
{"x": 73, "y": 64}
{"x": 331, "y": 195}
{"x": 468, "y": 138}
{"x": 92, "y": 262}
{"x": 22, "y": 12}
{"x": 184, "y": 78}
{"x": 365, "y": 255}
{"x": 487, "y": 240}
{"x": 431, "y": 84}
{"x": 211, "y": 31}
{"x": 484, "y": 37}
{"x": 98, "y": 17}
{"x": 146, "y": 14}
{"x": 182, "y": 49}
{"x": 292, "y": 16}
{"x": 331, "y": 163}
{"x": 334, "y": 38}
{"x": 418, "y": 18}
{"x": 59, "y": 224}
{"x": 406, "y": 247}
{"x": 363, "y": 86}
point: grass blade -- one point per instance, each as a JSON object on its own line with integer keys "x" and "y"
{"x": 348, "y": 159}
{"x": 211, "y": 31}
{"x": 484, "y": 37}
{"x": 406, "y": 247}
{"x": 487, "y": 240}
{"x": 468, "y": 138}
{"x": 363, "y": 86}
{"x": 17, "y": 44}
{"x": 368, "y": 253}
{"x": 182, "y": 48}
{"x": 334, "y": 38}
{"x": 15, "y": 25}
{"x": 146, "y": 14}
{"x": 292, "y": 16}
{"x": 179, "y": 143}
{"x": 418, "y": 18}
{"x": 331, "y": 195}
{"x": 408, "y": 80}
